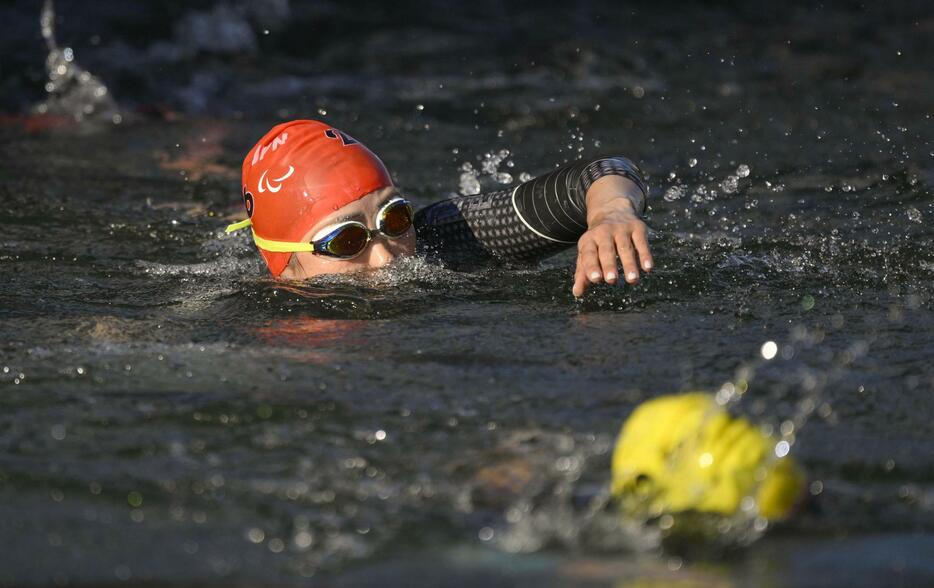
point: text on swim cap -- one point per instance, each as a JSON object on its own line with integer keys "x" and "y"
{"x": 260, "y": 153}
{"x": 344, "y": 137}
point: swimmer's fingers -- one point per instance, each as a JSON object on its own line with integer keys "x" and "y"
{"x": 588, "y": 265}
{"x": 627, "y": 255}
{"x": 599, "y": 248}
{"x": 607, "y": 253}
{"x": 580, "y": 280}
{"x": 588, "y": 258}
{"x": 640, "y": 239}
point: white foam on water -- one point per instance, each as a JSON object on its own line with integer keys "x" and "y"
{"x": 403, "y": 270}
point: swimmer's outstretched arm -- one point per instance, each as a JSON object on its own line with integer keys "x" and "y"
{"x": 592, "y": 203}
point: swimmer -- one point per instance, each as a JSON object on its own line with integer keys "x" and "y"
{"x": 319, "y": 202}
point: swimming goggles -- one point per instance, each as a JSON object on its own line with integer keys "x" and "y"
{"x": 347, "y": 239}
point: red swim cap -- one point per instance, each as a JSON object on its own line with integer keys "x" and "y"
{"x": 300, "y": 172}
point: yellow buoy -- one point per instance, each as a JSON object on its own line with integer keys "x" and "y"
{"x": 684, "y": 452}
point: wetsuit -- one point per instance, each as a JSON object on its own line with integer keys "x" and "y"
{"x": 529, "y": 222}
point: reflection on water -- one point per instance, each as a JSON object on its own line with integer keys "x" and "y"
{"x": 312, "y": 338}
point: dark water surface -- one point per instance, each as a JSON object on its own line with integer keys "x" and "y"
{"x": 170, "y": 415}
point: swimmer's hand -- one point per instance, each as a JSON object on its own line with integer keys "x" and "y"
{"x": 614, "y": 233}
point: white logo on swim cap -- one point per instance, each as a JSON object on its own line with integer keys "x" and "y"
{"x": 260, "y": 153}
{"x": 265, "y": 184}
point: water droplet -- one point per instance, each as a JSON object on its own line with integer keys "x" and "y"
{"x": 692, "y": 162}
{"x": 256, "y": 535}
{"x": 729, "y": 185}
{"x": 674, "y": 193}
{"x": 276, "y": 545}
{"x": 807, "y": 302}
{"x": 134, "y": 499}
{"x": 743, "y": 171}
{"x": 469, "y": 182}
{"x": 303, "y": 539}
{"x": 769, "y": 349}
{"x": 58, "y": 432}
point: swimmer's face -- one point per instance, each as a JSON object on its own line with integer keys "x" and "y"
{"x": 380, "y": 251}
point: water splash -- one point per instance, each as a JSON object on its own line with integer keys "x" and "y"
{"x": 808, "y": 385}
{"x": 72, "y": 90}
{"x": 535, "y": 483}
{"x": 730, "y": 184}
{"x": 472, "y": 180}
{"x": 557, "y": 504}
{"x": 561, "y": 504}
{"x": 469, "y": 180}
{"x": 403, "y": 270}
{"x": 676, "y": 192}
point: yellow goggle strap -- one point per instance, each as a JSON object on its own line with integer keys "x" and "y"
{"x": 267, "y": 244}
{"x": 238, "y": 225}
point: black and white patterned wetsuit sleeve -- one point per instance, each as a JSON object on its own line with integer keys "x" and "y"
{"x": 527, "y": 223}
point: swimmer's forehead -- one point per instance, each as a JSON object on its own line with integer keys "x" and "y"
{"x": 359, "y": 210}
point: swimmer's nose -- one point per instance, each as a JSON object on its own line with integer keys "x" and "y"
{"x": 380, "y": 255}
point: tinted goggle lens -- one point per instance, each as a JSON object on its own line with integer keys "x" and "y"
{"x": 348, "y": 241}
{"x": 395, "y": 219}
